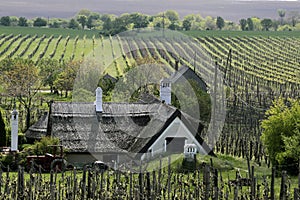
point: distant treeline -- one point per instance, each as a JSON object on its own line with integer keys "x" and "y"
{"x": 109, "y": 24}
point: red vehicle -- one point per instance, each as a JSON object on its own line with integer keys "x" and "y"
{"x": 48, "y": 161}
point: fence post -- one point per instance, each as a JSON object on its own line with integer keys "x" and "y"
{"x": 283, "y": 186}
{"x": 0, "y": 177}
{"x": 273, "y": 184}
{"x": 206, "y": 180}
{"x": 296, "y": 194}
{"x": 253, "y": 184}
{"x": 20, "y": 183}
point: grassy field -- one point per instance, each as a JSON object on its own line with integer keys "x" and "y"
{"x": 242, "y": 33}
{"x": 56, "y": 32}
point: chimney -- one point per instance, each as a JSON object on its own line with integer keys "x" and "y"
{"x": 99, "y": 100}
{"x": 14, "y": 130}
{"x": 165, "y": 91}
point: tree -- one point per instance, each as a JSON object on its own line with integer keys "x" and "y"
{"x": 186, "y": 24}
{"x": 139, "y": 20}
{"x": 243, "y": 24}
{"x": 250, "y": 24}
{"x": 22, "y": 21}
{"x": 2, "y": 132}
{"x": 20, "y": 79}
{"x": 293, "y": 17}
{"x": 66, "y": 78}
{"x": 266, "y": 24}
{"x": 82, "y": 19}
{"x": 40, "y": 22}
{"x": 220, "y": 23}
{"x": 73, "y": 24}
{"x": 210, "y": 23}
{"x": 281, "y": 134}
{"x": 49, "y": 70}
{"x": 281, "y": 14}
{"x": 89, "y": 23}
{"x": 5, "y": 21}
{"x": 172, "y": 15}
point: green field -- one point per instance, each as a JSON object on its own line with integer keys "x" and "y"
{"x": 216, "y": 33}
{"x": 56, "y": 32}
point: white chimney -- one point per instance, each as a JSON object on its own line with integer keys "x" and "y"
{"x": 165, "y": 90}
{"x": 99, "y": 100}
{"x": 14, "y": 130}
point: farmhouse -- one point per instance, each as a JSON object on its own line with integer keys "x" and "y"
{"x": 121, "y": 131}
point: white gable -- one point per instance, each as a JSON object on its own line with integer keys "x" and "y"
{"x": 176, "y": 129}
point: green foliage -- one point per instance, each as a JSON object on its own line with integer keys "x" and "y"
{"x": 220, "y": 22}
{"x": 281, "y": 135}
{"x": 39, "y": 22}
{"x": 42, "y": 147}
{"x": 266, "y": 24}
{"x": 20, "y": 79}
{"x": 6, "y": 160}
{"x": 250, "y": 24}
{"x": 186, "y": 24}
{"x": 243, "y": 24}
{"x": 65, "y": 79}
{"x": 5, "y": 21}
{"x": 2, "y": 131}
{"x": 22, "y": 21}
{"x": 82, "y": 19}
{"x": 201, "y": 102}
{"x": 172, "y": 15}
{"x": 73, "y": 24}
{"x": 49, "y": 70}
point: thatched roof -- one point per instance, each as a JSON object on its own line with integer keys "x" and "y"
{"x": 121, "y": 127}
{"x": 80, "y": 128}
{"x": 39, "y": 129}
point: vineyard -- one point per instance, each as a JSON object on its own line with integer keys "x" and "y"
{"x": 212, "y": 179}
{"x": 255, "y": 70}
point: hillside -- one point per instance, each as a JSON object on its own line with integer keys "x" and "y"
{"x": 257, "y": 67}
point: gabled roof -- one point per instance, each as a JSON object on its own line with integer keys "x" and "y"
{"x": 186, "y": 73}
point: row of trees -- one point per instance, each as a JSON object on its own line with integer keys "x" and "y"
{"x": 111, "y": 24}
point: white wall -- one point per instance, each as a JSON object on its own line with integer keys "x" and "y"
{"x": 176, "y": 129}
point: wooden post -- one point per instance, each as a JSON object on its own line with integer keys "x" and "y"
{"x": 272, "y": 197}
{"x": 296, "y": 194}
{"x": 299, "y": 174}
{"x": 74, "y": 183}
{"x": 148, "y": 186}
{"x": 169, "y": 176}
{"x": 83, "y": 183}
{"x": 0, "y": 179}
{"x": 216, "y": 189}
{"x": 20, "y": 183}
{"x": 283, "y": 191}
{"x": 206, "y": 180}
{"x": 89, "y": 192}
{"x": 130, "y": 185}
{"x": 253, "y": 184}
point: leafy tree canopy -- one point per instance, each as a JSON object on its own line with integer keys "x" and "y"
{"x": 5, "y": 21}
{"x": 40, "y": 22}
{"x": 281, "y": 134}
